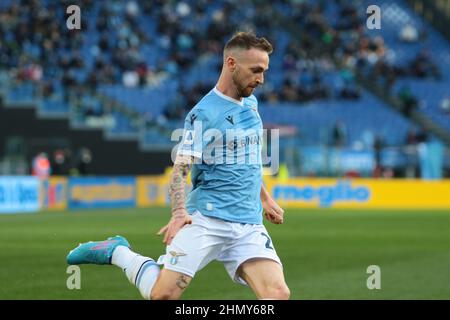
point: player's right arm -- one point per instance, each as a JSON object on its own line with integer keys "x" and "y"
{"x": 191, "y": 147}
{"x": 177, "y": 184}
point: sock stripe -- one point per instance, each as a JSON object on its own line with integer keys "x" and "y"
{"x": 141, "y": 271}
{"x": 137, "y": 273}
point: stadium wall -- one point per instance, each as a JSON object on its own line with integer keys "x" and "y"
{"x": 48, "y": 135}
{"x": 30, "y": 194}
{"x": 361, "y": 193}
{"x": 19, "y": 194}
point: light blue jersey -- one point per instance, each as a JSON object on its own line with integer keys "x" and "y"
{"x": 225, "y": 137}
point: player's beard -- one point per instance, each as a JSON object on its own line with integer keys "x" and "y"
{"x": 243, "y": 91}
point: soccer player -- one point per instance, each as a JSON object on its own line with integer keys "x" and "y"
{"x": 222, "y": 218}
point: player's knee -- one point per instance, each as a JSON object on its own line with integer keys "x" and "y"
{"x": 170, "y": 285}
{"x": 278, "y": 291}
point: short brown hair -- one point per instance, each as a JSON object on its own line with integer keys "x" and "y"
{"x": 248, "y": 40}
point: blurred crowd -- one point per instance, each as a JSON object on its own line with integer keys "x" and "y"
{"x": 73, "y": 63}
{"x": 345, "y": 48}
{"x": 35, "y": 41}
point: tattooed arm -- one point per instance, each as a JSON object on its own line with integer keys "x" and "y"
{"x": 177, "y": 184}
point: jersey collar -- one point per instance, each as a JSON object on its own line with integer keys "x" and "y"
{"x": 220, "y": 94}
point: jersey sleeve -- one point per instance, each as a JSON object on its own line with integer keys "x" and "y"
{"x": 195, "y": 125}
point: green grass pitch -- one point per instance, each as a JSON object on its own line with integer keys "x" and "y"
{"x": 325, "y": 254}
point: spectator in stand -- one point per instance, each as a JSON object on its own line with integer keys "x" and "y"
{"x": 408, "y": 100}
{"x": 411, "y": 138}
{"x": 288, "y": 91}
{"x": 41, "y": 166}
{"x": 445, "y": 105}
{"x": 130, "y": 79}
{"x": 339, "y": 134}
{"x": 422, "y": 66}
{"x": 59, "y": 163}
{"x": 409, "y": 33}
{"x": 84, "y": 161}
{"x": 410, "y": 150}
{"x": 378, "y": 146}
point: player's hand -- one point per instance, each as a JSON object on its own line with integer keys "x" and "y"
{"x": 175, "y": 224}
{"x": 273, "y": 212}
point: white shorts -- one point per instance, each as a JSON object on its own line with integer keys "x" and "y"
{"x": 208, "y": 239}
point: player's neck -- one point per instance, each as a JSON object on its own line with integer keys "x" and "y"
{"x": 228, "y": 90}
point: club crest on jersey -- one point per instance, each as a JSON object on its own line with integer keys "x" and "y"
{"x": 175, "y": 256}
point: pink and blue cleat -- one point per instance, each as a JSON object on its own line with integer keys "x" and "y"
{"x": 96, "y": 252}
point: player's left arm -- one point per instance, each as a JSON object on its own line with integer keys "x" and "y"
{"x": 272, "y": 211}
